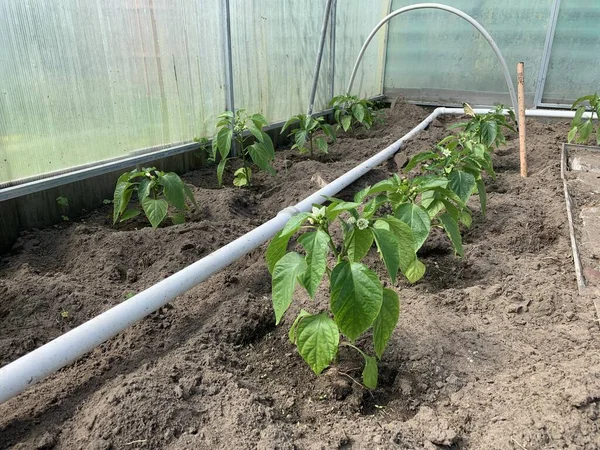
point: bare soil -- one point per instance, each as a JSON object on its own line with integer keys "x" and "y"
{"x": 494, "y": 350}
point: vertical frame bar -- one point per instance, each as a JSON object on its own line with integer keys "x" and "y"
{"x": 543, "y": 72}
{"x": 229, "y": 86}
{"x": 387, "y": 9}
{"x": 332, "y": 50}
{"x": 313, "y": 91}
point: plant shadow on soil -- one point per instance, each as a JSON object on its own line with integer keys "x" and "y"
{"x": 493, "y": 350}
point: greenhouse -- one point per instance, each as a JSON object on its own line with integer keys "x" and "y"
{"x": 290, "y": 224}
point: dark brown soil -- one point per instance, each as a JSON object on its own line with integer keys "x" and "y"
{"x": 493, "y": 351}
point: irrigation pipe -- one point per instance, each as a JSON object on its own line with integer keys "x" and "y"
{"x": 451, "y": 10}
{"x": 47, "y": 359}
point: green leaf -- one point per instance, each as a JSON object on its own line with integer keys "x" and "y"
{"x": 451, "y": 227}
{"x": 373, "y": 205}
{"x": 317, "y": 338}
{"x": 189, "y": 194}
{"x": 370, "y": 372}
{"x": 386, "y": 321}
{"x": 409, "y": 265}
{"x": 224, "y": 136}
{"x": 344, "y": 206}
{"x": 417, "y": 219}
{"x": 482, "y": 196}
{"x": 321, "y": 144}
{"x": 346, "y": 122}
{"x": 285, "y": 275}
{"x": 220, "y": 170}
{"x": 316, "y": 245}
{"x": 276, "y": 250}
{"x": 489, "y": 131}
{"x": 464, "y": 217}
{"x": 145, "y": 187}
{"x": 155, "y": 210}
{"x": 582, "y": 100}
{"x": 268, "y": 144}
{"x": 329, "y": 131}
{"x": 259, "y": 120}
{"x": 300, "y": 138}
{"x": 242, "y": 177}
{"x": 261, "y": 156}
{"x": 178, "y": 218}
{"x": 173, "y": 189}
{"x": 585, "y": 131}
{"x": 358, "y": 111}
{"x": 572, "y": 134}
{"x": 291, "y": 121}
{"x": 358, "y": 243}
{"x": 294, "y": 327}
{"x": 419, "y": 158}
{"x": 415, "y": 271}
{"x": 362, "y": 194}
{"x": 256, "y": 131}
{"x": 129, "y": 214}
{"x": 462, "y": 184}
{"x": 578, "y": 115}
{"x": 294, "y": 223}
{"x": 356, "y": 297}
{"x": 387, "y": 245}
{"x": 121, "y": 196}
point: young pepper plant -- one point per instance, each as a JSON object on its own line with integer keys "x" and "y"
{"x": 239, "y": 127}
{"x": 582, "y": 130}
{"x": 358, "y": 300}
{"x": 462, "y": 159}
{"x": 156, "y": 192}
{"x": 351, "y": 112}
{"x": 421, "y": 203}
{"x": 487, "y": 129}
{"x": 304, "y": 136}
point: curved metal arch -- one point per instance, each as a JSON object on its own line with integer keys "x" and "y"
{"x": 454, "y": 11}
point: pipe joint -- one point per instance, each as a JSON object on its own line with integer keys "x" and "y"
{"x": 290, "y": 211}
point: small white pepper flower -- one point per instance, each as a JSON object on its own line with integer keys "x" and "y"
{"x": 362, "y": 224}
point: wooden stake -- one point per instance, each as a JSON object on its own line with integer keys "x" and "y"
{"x": 521, "y": 93}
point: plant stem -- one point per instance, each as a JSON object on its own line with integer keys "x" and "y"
{"x": 348, "y": 344}
{"x": 311, "y": 146}
{"x": 242, "y": 151}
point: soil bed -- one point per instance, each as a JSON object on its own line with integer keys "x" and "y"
{"x": 493, "y": 351}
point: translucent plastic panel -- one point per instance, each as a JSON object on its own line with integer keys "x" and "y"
{"x": 274, "y": 46}
{"x": 574, "y": 66}
{"x": 438, "y": 57}
{"x": 354, "y": 21}
{"x": 87, "y": 80}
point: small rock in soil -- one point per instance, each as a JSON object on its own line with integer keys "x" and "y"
{"x": 100, "y": 444}
{"x": 437, "y": 429}
{"x": 47, "y": 441}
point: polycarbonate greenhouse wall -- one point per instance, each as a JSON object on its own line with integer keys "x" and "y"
{"x": 90, "y": 80}
{"x": 85, "y": 81}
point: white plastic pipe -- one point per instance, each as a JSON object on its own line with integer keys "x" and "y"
{"x": 456, "y": 12}
{"x": 47, "y": 359}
